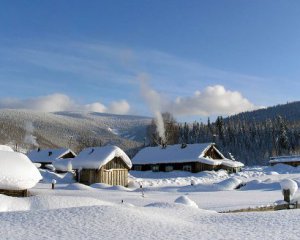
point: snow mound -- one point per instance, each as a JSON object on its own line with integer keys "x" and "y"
{"x": 77, "y": 186}
{"x": 133, "y": 184}
{"x": 289, "y": 184}
{"x": 17, "y": 172}
{"x": 48, "y": 176}
{"x": 63, "y": 165}
{"x": 228, "y": 184}
{"x": 6, "y": 148}
{"x": 37, "y": 165}
{"x": 257, "y": 184}
{"x": 186, "y": 201}
{"x": 39, "y": 202}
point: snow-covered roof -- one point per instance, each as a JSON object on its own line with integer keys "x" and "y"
{"x": 96, "y": 157}
{"x": 283, "y": 159}
{"x": 17, "y": 172}
{"x": 231, "y": 163}
{"x": 6, "y": 148}
{"x": 48, "y": 155}
{"x": 172, "y": 153}
{"x": 177, "y": 154}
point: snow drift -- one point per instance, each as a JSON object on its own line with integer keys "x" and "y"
{"x": 186, "y": 201}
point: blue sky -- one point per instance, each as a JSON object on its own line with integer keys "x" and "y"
{"x": 198, "y": 58}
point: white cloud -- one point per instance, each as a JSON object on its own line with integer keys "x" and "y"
{"x": 60, "y": 102}
{"x": 214, "y": 100}
{"x": 95, "y": 107}
{"x": 119, "y": 107}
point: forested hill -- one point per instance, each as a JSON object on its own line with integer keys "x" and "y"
{"x": 75, "y": 130}
{"x": 255, "y": 136}
{"x": 289, "y": 111}
{"x": 250, "y": 137}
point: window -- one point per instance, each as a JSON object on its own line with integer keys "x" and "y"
{"x": 155, "y": 168}
{"x": 187, "y": 168}
{"x": 169, "y": 168}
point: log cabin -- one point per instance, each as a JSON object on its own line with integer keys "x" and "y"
{"x": 46, "y": 157}
{"x": 293, "y": 160}
{"x": 185, "y": 157}
{"x": 108, "y": 164}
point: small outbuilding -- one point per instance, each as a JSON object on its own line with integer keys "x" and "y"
{"x": 17, "y": 174}
{"x": 48, "y": 156}
{"x": 184, "y": 157}
{"x": 108, "y": 164}
{"x": 293, "y": 160}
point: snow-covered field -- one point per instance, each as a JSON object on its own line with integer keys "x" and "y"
{"x": 171, "y": 208}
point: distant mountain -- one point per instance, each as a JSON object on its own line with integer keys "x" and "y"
{"x": 71, "y": 129}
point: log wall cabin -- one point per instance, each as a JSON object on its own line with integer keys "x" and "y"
{"x": 186, "y": 157}
{"x": 109, "y": 165}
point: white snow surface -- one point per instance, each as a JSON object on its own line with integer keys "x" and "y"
{"x": 17, "y": 172}
{"x": 75, "y": 211}
{"x": 96, "y": 157}
{"x": 175, "y": 154}
{"x": 47, "y": 155}
{"x": 289, "y": 184}
{"x": 6, "y": 148}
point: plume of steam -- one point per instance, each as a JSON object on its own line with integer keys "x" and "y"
{"x": 160, "y": 127}
{"x": 154, "y": 102}
{"x": 29, "y": 138}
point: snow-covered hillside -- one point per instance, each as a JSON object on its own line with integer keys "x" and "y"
{"x": 71, "y": 129}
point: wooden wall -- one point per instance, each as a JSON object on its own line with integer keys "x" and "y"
{"x": 195, "y": 166}
{"x": 15, "y": 193}
{"x": 211, "y": 152}
{"x": 68, "y": 155}
{"x": 114, "y": 172}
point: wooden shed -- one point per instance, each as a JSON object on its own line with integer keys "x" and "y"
{"x": 17, "y": 174}
{"x": 48, "y": 156}
{"x": 185, "y": 157}
{"x": 293, "y": 160}
{"x": 108, "y": 164}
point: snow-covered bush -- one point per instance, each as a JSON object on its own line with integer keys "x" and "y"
{"x": 289, "y": 184}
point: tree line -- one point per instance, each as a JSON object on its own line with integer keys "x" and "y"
{"x": 244, "y": 139}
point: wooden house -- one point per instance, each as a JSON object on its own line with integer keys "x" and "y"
{"x": 46, "y": 157}
{"x": 185, "y": 157}
{"x": 293, "y": 160}
{"x": 108, "y": 164}
{"x": 17, "y": 174}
